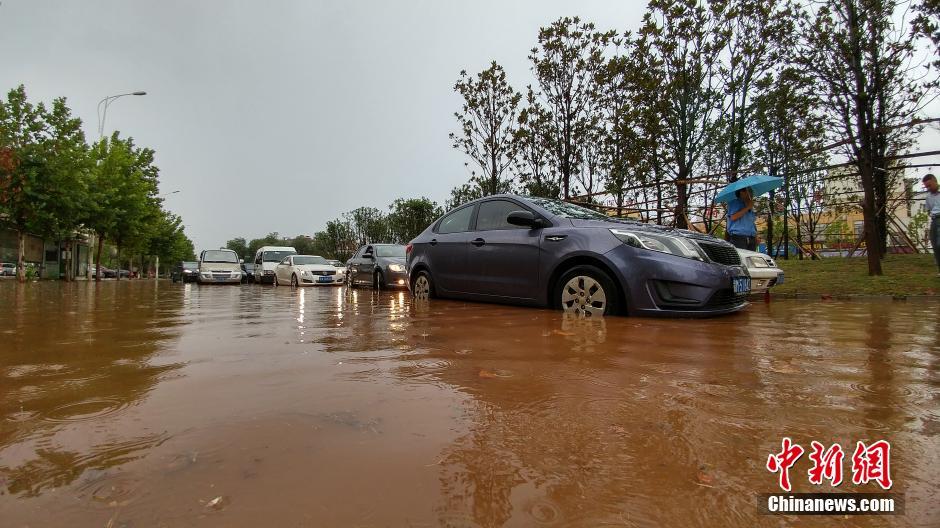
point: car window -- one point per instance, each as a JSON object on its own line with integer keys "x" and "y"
{"x": 218, "y": 255}
{"x": 456, "y": 222}
{"x": 396, "y": 251}
{"x": 276, "y": 256}
{"x": 311, "y": 259}
{"x": 286, "y": 261}
{"x": 492, "y": 215}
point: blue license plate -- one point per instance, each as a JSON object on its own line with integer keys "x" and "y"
{"x": 741, "y": 284}
{"x": 325, "y": 278}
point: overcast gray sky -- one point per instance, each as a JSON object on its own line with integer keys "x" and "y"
{"x": 281, "y": 115}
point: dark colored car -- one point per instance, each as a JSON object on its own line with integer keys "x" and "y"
{"x": 248, "y": 272}
{"x": 544, "y": 252}
{"x": 107, "y": 273}
{"x": 378, "y": 265}
{"x": 185, "y": 272}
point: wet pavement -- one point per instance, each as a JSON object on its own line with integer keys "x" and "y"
{"x": 142, "y": 404}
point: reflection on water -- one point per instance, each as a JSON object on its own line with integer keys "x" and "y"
{"x": 140, "y": 404}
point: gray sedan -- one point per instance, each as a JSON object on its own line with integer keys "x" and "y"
{"x": 544, "y": 252}
{"x": 378, "y": 265}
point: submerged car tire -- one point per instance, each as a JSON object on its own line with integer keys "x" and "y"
{"x": 587, "y": 291}
{"x": 422, "y": 286}
{"x": 293, "y": 280}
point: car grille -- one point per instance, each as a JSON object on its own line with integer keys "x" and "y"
{"x": 226, "y": 275}
{"x": 721, "y": 253}
{"x": 323, "y": 273}
{"x": 725, "y": 299}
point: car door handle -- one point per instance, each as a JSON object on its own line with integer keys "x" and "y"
{"x": 478, "y": 242}
{"x": 433, "y": 242}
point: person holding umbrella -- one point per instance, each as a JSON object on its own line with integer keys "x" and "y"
{"x": 742, "y": 222}
{"x": 742, "y": 226}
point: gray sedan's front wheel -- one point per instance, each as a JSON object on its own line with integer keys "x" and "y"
{"x": 586, "y": 291}
{"x": 422, "y": 286}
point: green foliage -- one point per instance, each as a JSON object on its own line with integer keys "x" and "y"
{"x": 566, "y": 63}
{"x": 240, "y": 246}
{"x": 408, "y": 218}
{"x": 487, "y": 122}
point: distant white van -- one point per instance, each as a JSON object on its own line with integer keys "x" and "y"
{"x": 266, "y": 259}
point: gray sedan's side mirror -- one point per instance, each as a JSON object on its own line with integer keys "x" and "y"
{"x": 525, "y": 219}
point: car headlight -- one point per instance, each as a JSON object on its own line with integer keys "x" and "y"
{"x": 757, "y": 262}
{"x": 674, "y": 245}
{"x": 396, "y": 267}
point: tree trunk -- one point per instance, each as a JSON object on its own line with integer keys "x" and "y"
{"x": 872, "y": 242}
{"x": 98, "y": 258}
{"x": 770, "y": 227}
{"x": 682, "y": 200}
{"x": 117, "y": 272}
{"x": 20, "y": 256}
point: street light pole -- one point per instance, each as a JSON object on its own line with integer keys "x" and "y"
{"x": 103, "y": 115}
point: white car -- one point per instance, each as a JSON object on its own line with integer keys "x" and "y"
{"x": 307, "y": 270}
{"x": 763, "y": 270}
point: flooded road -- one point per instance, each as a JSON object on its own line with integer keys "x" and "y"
{"x": 141, "y": 404}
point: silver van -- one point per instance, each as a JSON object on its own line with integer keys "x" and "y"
{"x": 219, "y": 266}
{"x": 266, "y": 260}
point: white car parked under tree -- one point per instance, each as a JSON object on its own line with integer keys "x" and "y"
{"x": 307, "y": 270}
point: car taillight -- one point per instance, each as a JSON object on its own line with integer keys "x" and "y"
{"x": 408, "y": 248}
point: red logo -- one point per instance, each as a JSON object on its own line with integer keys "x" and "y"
{"x": 872, "y": 463}
{"x": 869, "y": 463}
{"x": 783, "y": 461}
{"x": 826, "y": 464}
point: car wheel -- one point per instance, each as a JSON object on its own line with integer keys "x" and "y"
{"x": 422, "y": 286}
{"x": 379, "y": 281}
{"x": 293, "y": 280}
{"x": 586, "y": 291}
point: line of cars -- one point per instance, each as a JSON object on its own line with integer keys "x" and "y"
{"x": 532, "y": 251}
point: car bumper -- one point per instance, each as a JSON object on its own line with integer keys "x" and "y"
{"x": 396, "y": 279}
{"x": 214, "y": 280}
{"x": 315, "y": 281}
{"x": 658, "y": 284}
{"x": 762, "y": 279}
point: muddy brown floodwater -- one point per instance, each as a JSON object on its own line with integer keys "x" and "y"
{"x": 139, "y": 404}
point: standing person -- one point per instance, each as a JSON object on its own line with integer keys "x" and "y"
{"x": 933, "y": 209}
{"x": 742, "y": 226}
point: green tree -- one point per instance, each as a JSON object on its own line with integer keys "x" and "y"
{"x": 240, "y": 246}
{"x": 487, "y": 122}
{"x": 43, "y": 170}
{"x": 565, "y": 63}
{"x": 125, "y": 206}
{"x": 408, "y": 218}
{"x": 537, "y": 175}
{"x": 862, "y": 60}
{"x": 684, "y": 40}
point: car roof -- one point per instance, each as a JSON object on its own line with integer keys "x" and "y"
{"x": 276, "y": 248}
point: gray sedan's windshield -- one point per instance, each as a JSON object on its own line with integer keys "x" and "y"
{"x": 304, "y": 260}
{"x": 390, "y": 251}
{"x": 566, "y": 210}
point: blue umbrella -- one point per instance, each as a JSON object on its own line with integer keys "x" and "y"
{"x": 759, "y": 184}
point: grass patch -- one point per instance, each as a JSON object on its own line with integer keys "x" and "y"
{"x": 903, "y": 275}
